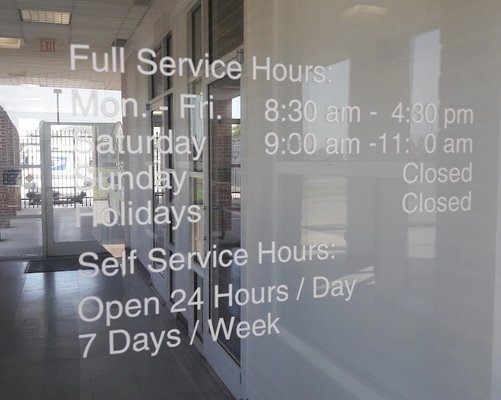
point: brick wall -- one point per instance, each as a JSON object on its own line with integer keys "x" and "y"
{"x": 10, "y": 197}
{"x": 221, "y": 161}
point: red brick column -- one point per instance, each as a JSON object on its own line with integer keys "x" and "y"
{"x": 10, "y": 197}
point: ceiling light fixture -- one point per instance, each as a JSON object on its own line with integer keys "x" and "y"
{"x": 364, "y": 9}
{"x": 45, "y": 17}
{"x": 10, "y": 43}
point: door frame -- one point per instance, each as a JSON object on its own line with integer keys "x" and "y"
{"x": 52, "y": 248}
{"x": 231, "y": 372}
{"x": 161, "y": 281}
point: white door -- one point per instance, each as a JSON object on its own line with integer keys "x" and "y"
{"x": 68, "y": 195}
{"x": 224, "y": 190}
{"x": 160, "y": 118}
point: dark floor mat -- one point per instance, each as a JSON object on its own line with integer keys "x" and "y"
{"x": 56, "y": 264}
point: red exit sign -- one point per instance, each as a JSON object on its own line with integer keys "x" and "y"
{"x": 48, "y": 45}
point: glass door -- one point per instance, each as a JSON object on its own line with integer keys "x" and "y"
{"x": 71, "y": 218}
{"x": 224, "y": 222}
{"x": 161, "y": 196}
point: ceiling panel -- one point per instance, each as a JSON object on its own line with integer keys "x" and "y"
{"x": 101, "y": 10}
{"x": 98, "y": 3}
{"x": 125, "y": 33}
{"x": 105, "y": 31}
{"x": 9, "y": 15}
{"x": 11, "y": 29}
{"x": 46, "y": 5}
{"x": 94, "y": 22}
{"x": 95, "y": 42}
{"x": 137, "y": 12}
{"x": 37, "y": 31}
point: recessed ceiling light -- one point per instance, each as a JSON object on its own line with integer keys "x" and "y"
{"x": 10, "y": 43}
{"x": 364, "y": 9}
{"x": 45, "y": 17}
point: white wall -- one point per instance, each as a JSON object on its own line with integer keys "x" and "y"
{"x": 420, "y": 325}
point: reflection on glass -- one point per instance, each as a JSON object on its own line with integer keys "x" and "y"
{"x": 157, "y": 126}
{"x": 168, "y": 52}
{"x": 336, "y": 100}
{"x": 157, "y": 78}
{"x": 170, "y": 127}
{"x": 196, "y": 34}
{"x": 198, "y": 314}
{"x": 197, "y": 228}
{"x": 159, "y": 195}
{"x": 226, "y": 31}
{"x": 196, "y": 122}
{"x": 324, "y": 211}
{"x": 425, "y": 70}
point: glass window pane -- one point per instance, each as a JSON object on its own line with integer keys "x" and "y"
{"x": 226, "y": 31}
{"x": 198, "y": 314}
{"x": 196, "y": 34}
{"x": 197, "y": 228}
{"x": 168, "y": 52}
{"x": 170, "y": 129}
{"x": 157, "y": 79}
{"x": 196, "y": 123}
{"x": 157, "y": 125}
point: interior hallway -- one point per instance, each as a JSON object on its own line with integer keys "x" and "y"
{"x": 40, "y": 353}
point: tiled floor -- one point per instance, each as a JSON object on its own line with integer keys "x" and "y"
{"x": 40, "y": 353}
{"x": 23, "y": 237}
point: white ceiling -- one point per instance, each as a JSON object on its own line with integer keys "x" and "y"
{"x": 94, "y": 22}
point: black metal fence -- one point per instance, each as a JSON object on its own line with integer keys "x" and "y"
{"x": 67, "y": 190}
